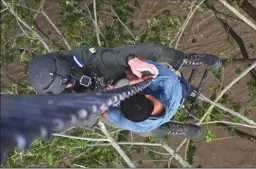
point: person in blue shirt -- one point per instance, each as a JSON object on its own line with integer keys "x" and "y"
{"x": 150, "y": 112}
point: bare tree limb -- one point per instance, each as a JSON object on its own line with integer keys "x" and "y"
{"x": 96, "y": 22}
{"x": 93, "y": 21}
{"x": 128, "y": 143}
{"x": 186, "y": 150}
{"x": 230, "y": 123}
{"x": 79, "y": 138}
{"x": 57, "y": 30}
{"x": 177, "y": 149}
{"x": 78, "y": 165}
{"x": 41, "y": 11}
{"x": 176, "y": 156}
{"x": 130, "y": 32}
{"x": 115, "y": 145}
{"x": 226, "y": 89}
{"x": 164, "y": 145}
{"x": 186, "y": 22}
{"x": 26, "y": 25}
{"x": 40, "y": 8}
{"x": 241, "y": 16}
{"x": 157, "y": 152}
{"x": 4, "y": 10}
{"x": 202, "y": 97}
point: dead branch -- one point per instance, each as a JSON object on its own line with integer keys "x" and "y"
{"x": 186, "y": 22}
{"x": 79, "y": 138}
{"x": 26, "y": 25}
{"x": 164, "y": 145}
{"x": 93, "y": 21}
{"x": 78, "y": 165}
{"x": 130, "y": 32}
{"x": 115, "y": 145}
{"x": 40, "y": 8}
{"x": 4, "y": 10}
{"x": 230, "y": 123}
{"x": 57, "y": 30}
{"x": 225, "y": 90}
{"x": 176, "y": 156}
{"x": 177, "y": 150}
{"x": 241, "y": 16}
{"x": 127, "y": 143}
{"x": 186, "y": 150}
{"x": 96, "y": 23}
{"x": 41, "y": 11}
{"x": 202, "y": 97}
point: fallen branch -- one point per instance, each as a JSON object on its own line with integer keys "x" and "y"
{"x": 96, "y": 23}
{"x": 77, "y": 165}
{"x": 186, "y": 22}
{"x": 202, "y": 97}
{"x": 241, "y": 16}
{"x": 26, "y": 25}
{"x": 41, "y": 11}
{"x": 128, "y": 143}
{"x": 93, "y": 21}
{"x": 57, "y": 30}
{"x": 177, "y": 150}
{"x": 130, "y": 32}
{"x": 115, "y": 145}
{"x": 182, "y": 28}
{"x": 186, "y": 150}
{"x": 80, "y": 138}
{"x": 175, "y": 155}
{"x": 40, "y": 7}
{"x": 230, "y": 123}
{"x": 225, "y": 90}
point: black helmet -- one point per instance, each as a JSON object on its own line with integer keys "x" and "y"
{"x": 48, "y": 73}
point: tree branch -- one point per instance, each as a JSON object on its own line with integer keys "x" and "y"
{"x": 230, "y": 123}
{"x": 41, "y": 11}
{"x": 57, "y": 30}
{"x": 177, "y": 149}
{"x": 128, "y": 143}
{"x": 182, "y": 28}
{"x": 40, "y": 8}
{"x": 115, "y": 145}
{"x": 26, "y": 25}
{"x": 241, "y": 16}
{"x": 202, "y": 97}
{"x": 93, "y": 21}
{"x": 226, "y": 89}
{"x": 175, "y": 155}
{"x": 130, "y": 32}
{"x": 79, "y": 138}
{"x": 96, "y": 22}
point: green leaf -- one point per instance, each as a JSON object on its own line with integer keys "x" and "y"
{"x": 238, "y": 70}
{"x": 209, "y": 136}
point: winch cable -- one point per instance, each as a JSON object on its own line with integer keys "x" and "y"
{"x": 25, "y": 118}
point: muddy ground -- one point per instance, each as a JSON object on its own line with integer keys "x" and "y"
{"x": 226, "y": 150}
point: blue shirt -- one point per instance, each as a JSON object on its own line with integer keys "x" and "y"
{"x": 167, "y": 89}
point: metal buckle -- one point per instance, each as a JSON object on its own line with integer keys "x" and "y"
{"x": 88, "y": 79}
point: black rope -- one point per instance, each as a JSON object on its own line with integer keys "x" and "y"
{"x": 25, "y": 118}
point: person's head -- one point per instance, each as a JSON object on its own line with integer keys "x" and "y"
{"x": 137, "y": 108}
{"x": 48, "y": 73}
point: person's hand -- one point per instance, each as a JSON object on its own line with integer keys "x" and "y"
{"x": 138, "y": 66}
{"x": 140, "y": 80}
{"x": 111, "y": 87}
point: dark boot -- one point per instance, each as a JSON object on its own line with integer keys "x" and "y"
{"x": 208, "y": 61}
{"x": 190, "y": 131}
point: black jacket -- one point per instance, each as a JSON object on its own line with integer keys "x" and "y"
{"x": 110, "y": 63}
